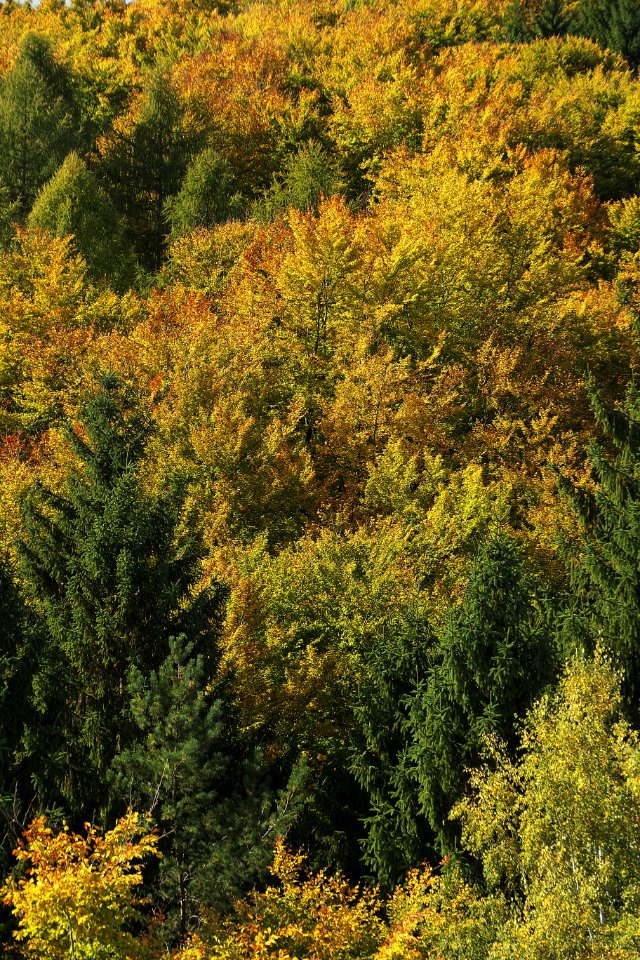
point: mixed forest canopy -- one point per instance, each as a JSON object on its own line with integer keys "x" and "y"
{"x": 320, "y": 479}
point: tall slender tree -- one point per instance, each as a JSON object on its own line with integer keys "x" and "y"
{"x": 604, "y": 604}
{"x": 37, "y": 121}
{"x": 492, "y": 660}
{"x": 103, "y": 565}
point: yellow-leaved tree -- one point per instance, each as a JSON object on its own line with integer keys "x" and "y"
{"x": 77, "y": 899}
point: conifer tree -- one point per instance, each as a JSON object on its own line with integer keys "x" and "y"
{"x": 206, "y": 196}
{"x": 101, "y": 562}
{"x": 145, "y": 164}
{"x": 210, "y": 799}
{"x": 605, "y": 579}
{"x": 36, "y": 120}
{"x": 491, "y": 662}
{"x": 396, "y": 833}
{"x": 19, "y": 651}
{"x": 73, "y": 203}
{"x": 624, "y": 30}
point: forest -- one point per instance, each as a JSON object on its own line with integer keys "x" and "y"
{"x": 320, "y": 479}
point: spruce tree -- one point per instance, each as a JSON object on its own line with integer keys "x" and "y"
{"x": 19, "y": 652}
{"x": 491, "y": 661}
{"x": 624, "y": 30}
{"x": 73, "y": 203}
{"x": 102, "y": 564}
{"x": 396, "y": 832}
{"x": 604, "y": 605}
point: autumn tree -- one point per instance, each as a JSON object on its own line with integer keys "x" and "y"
{"x": 78, "y": 897}
{"x": 559, "y": 828}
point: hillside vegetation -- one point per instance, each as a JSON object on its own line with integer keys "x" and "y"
{"x": 320, "y": 479}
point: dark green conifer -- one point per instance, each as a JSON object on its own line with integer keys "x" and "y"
{"x": 396, "y": 832}
{"x": 605, "y": 578}
{"x": 112, "y": 584}
{"x": 491, "y": 661}
{"x": 217, "y": 816}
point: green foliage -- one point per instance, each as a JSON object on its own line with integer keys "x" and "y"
{"x": 605, "y": 577}
{"x": 111, "y": 583}
{"x": 206, "y": 196}
{"x": 490, "y": 663}
{"x": 217, "y": 816}
{"x": 396, "y": 833}
{"x": 73, "y": 203}
{"x": 308, "y": 176}
{"x": 36, "y": 120}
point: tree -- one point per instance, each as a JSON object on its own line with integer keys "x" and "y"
{"x": 605, "y": 576}
{"x": 492, "y": 658}
{"x": 559, "y": 829}
{"x": 624, "y": 30}
{"x": 102, "y": 564}
{"x": 397, "y": 834}
{"x": 19, "y": 650}
{"x": 77, "y": 899}
{"x": 144, "y": 159}
{"x": 206, "y": 196}
{"x": 73, "y": 203}
{"x": 187, "y": 767}
{"x": 36, "y": 120}
{"x": 308, "y": 176}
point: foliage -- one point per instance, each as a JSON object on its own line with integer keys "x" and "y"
{"x": 79, "y": 894}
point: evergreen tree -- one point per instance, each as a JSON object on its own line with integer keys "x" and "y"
{"x": 605, "y": 578}
{"x": 206, "y": 196}
{"x": 36, "y": 120}
{"x": 491, "y": 662}
{"x": 308, "y": 176}
{"x": 216, "y": 814}
{"x": 73, "y": 203}
{"x": 18, "y": 653}
{"x": 397, "y": 834}
{"x": 101, "y": 561}
{"x": 624, "y": 30}
{"x": 145, "y": 166}
{"x": 552, "y": 19}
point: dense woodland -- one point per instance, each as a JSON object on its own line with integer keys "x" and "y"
{"x": 320, "y": 479}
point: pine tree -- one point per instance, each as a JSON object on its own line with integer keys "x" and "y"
{"x": 491, "y": 661}
{"x": 396, "y": 833}
{"x": 102, "y": 565}
{"x": 605, "y": 577}
{"x": 206, "y": 196}
{"x": 217, "y": 817}
{"x": 37, "y": 120}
